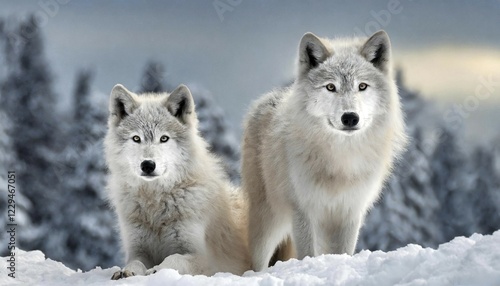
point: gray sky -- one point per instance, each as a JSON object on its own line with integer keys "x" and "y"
{"x": 250, "y": 48}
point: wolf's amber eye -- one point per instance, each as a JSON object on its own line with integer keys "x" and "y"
{"x": 362, "y": 86}
{"x": 136, "y": 139}
{"x": 330, "y": 87}
{"x": 164, "y": 138}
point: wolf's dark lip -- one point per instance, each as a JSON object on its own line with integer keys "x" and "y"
{"x": 148, "y": 176}
{"x": 349, "y": 129}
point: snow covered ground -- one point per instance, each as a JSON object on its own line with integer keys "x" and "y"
{"x": 463, "y": 261}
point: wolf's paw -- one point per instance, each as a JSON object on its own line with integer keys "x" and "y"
{"x": 151, "y": 271}
{"x": 122, "y": 274}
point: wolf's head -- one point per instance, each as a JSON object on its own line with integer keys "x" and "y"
{"x": 150, "y": 135}
{"x": 346, "y": 84}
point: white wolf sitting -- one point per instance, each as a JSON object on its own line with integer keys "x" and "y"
{"x": 175, "y": 207}
{"x": 316, "y": 154}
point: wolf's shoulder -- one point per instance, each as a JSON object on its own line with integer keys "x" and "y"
{"x": 268, "y": 104}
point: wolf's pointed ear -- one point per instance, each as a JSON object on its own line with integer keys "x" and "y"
{"x": 312, "y": 52}
{"x": 181, "y": 105}
{"x": 377, "y": 50}
{"x": 122, "y": 103}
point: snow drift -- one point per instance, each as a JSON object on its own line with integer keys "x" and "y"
{"x": 463, "y": 261}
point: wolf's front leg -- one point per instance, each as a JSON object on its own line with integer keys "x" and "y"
{"x": 185, "y": 264}
{"x": 339, "y": 238}
{"x": 303, "y": 234}
{"x": 134, "y": 267}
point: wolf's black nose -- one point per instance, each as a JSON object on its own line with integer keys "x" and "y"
{"x": 148, "y": 166}
{"x": 350, "y": 119}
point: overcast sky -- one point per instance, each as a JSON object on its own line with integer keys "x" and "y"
{"x": 249, "y": 47}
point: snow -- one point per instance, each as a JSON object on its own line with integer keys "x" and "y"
{"x": 463, "y": 261}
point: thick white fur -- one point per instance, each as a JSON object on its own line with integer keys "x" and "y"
{"x": 305, "y": 177}
{"x": 188, "y": 217}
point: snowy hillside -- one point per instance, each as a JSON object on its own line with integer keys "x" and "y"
{"x": 463, "y": 261}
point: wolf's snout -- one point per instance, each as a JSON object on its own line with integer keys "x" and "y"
{"x": 148, "y": 166}
{"x": 350, "y": 119}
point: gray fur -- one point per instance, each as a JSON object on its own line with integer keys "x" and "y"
{"x": 186, "y": 215}
{"x": 306, "y": 176}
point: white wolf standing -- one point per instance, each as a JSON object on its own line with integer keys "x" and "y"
{"x": 175, "y": 207}
{"x": 316, "y": 154}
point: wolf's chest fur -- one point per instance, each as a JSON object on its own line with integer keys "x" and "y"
{"x": 157, "y": 210}
{"x": 160, "y": 219}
